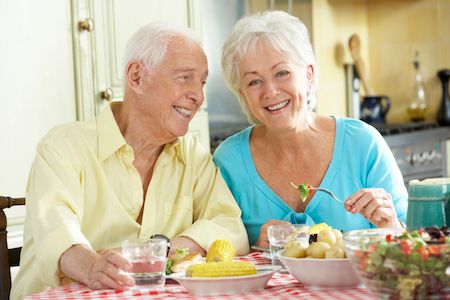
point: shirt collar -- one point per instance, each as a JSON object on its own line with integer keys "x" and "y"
{"x": 170, "y": 150}
{"x": 110, "y": 139}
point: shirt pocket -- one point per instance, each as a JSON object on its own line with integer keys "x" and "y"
{"x": 178, "y": 215}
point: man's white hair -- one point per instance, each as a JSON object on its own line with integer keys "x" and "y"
{"x": 149, "y": 43}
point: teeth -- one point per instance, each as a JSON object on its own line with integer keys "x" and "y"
{"x": 183, "y": 111}
{"x": 278, "y": 106}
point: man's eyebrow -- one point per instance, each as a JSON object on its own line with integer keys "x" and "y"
{"x": 184, "y": 69}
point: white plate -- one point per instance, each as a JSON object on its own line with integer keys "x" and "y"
{"x": 227, "y": 285}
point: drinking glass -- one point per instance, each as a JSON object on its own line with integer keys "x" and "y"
{"x": 148, "y": 260}
{"x": 301, "y": 234}
{"x": 278, "y": 236}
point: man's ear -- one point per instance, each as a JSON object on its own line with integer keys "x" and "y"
{"x": 134, "y": 73}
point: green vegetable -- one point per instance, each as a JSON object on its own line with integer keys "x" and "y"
{"x": 304, "y": 191}
{"x": 179, "y": 254}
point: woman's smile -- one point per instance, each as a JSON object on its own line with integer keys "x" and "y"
{"x": 278, "y": 107}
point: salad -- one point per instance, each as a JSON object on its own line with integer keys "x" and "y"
{"x": 304, "y": 190}
{"x": 413, "y": 265}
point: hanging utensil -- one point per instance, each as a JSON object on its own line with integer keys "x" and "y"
{"x": 354, "y": 43}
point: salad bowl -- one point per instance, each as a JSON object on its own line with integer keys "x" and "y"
{"x": 396, "y": 264}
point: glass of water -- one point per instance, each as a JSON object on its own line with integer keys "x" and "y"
{"x": 278, "y": 236}
{"x": 301, "y": 234}
{"x": 148, "y": 261}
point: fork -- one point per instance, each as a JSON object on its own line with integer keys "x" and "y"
{"x": 328, "y": 192}
{"x": 322, "y": 190}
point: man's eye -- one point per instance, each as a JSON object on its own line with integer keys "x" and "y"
{"x": 184, "y": 77}
{"x": 283, "y": 73}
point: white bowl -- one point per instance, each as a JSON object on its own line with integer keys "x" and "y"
{"x": 227, "y": 285}
{"x": 322, "y": 273}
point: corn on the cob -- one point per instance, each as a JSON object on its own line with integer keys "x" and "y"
{"x": 315, "y": 229}
{"x": 221, "y": 250}
{"x": 221, "y": 269}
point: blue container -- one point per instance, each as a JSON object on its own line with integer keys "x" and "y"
{"x": 428, "y": 203}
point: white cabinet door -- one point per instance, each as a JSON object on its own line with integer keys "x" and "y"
{"x": 99, "y": 52}
{"x": 37, "y": 89}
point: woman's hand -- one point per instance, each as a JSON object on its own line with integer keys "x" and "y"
{"x": 375, "y": 205}
{"x": 263, "y": 240}
{"x": 98, "y": 270}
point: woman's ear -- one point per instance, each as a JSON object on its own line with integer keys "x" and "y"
{"x": 310, "y": 75}
{"x": 134, "y": 73}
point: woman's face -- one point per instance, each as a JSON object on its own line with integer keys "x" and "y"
{"x": 274, "y": 87}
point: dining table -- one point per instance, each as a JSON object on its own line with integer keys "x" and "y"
{"x": 282, "y": 285}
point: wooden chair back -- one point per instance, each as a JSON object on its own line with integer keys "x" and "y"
{"x": 9, "y": 257}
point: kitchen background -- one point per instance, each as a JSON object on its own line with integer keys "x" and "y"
{"x": 60, "y": 60}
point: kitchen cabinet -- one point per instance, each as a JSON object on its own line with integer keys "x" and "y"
{"x": 101, "y": 30}
{"x": 57, "y": 58}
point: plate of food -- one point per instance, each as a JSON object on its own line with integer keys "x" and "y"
{"x": 208, "y": 285}
{"x": 220, "y": 272}
{"x": 321, "y": 264}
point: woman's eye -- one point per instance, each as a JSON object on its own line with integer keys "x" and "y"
{"x": 282, "y": 73}
{"x": 254, "y": 82}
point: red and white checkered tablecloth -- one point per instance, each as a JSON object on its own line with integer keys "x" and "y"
{"x": 280, "y": 286}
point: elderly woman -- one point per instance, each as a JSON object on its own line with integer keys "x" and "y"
{"x": 269, "y": 64}
{"x": 127, "y": 175}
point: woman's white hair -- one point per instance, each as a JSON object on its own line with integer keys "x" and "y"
{"x": 276, "y": 29}
{"x": 149, "y": 43}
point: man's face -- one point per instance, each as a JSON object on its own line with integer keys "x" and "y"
{"x": 173, "y": 91}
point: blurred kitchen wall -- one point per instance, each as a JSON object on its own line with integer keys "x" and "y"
{"x": 225, "y": 114}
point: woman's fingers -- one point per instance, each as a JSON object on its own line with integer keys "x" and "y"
{"x": 263, "y": 240}
{"x": 375, "y": 205}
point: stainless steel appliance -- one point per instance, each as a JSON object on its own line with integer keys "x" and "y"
{"x": 421, "y": 149}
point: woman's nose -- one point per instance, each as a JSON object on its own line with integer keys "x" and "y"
{"x": 270, "y": 89}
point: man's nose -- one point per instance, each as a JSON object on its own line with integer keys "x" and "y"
{"x": 196, "y": 93}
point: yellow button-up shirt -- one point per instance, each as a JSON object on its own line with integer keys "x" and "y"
{"x": 84, "y": 189}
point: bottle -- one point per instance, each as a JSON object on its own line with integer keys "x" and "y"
{"x": 444, "y": 111}
{"x": 417, "y": 108}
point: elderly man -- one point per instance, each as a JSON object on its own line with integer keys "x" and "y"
{"x": 128, "y": 174}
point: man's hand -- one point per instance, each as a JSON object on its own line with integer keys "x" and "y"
{"x": 98, "y": 270}
{"x": 185, "y": 242}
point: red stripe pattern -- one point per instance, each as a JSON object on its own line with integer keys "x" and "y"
{"x": 280, "y": 286}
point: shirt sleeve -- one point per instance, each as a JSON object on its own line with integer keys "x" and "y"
{"x": 216, "y": 213}
{"x": 55, "y": 207}
{"x": 383, "y": 172}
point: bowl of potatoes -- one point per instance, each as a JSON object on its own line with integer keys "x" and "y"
{"x": 321, "y": 264}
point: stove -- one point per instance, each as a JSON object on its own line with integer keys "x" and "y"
{"x": 421, "y": 149}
